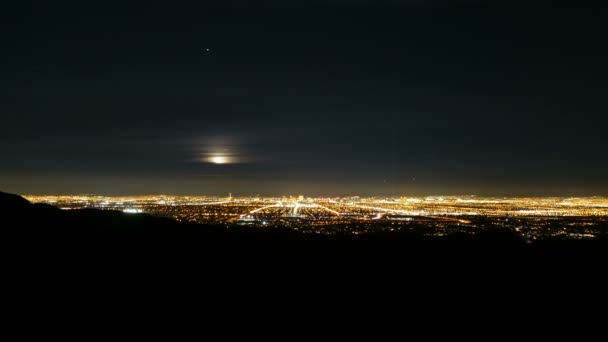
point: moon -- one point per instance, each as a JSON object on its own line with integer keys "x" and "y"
{"x": 219, "y": 160}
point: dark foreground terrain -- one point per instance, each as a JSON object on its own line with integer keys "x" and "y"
{"x": 40, "y": 233}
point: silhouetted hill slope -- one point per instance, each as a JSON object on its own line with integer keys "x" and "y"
{"x": 13, "y": 202}
{"x": 43, "y": 231}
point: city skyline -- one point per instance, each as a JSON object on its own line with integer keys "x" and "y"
{"x": 529, "y": 218}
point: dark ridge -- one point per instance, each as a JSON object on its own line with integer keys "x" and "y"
{"x": 12, "y": 201}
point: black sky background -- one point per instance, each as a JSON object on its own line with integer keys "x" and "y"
{"x": 311, "y": 97}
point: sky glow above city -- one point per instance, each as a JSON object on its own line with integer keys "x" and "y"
{"x": 321, "y": 98}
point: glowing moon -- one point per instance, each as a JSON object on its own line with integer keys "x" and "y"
{"x": 219, "y": 159}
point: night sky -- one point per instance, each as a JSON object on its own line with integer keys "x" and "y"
{"x": 305, "y": 97}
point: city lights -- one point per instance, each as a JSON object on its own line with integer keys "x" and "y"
{"x": 529, "y": 217}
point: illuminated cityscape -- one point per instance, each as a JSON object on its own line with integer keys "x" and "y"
{"x": 530, "y": 218}
{"x": 404, "y": 134}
